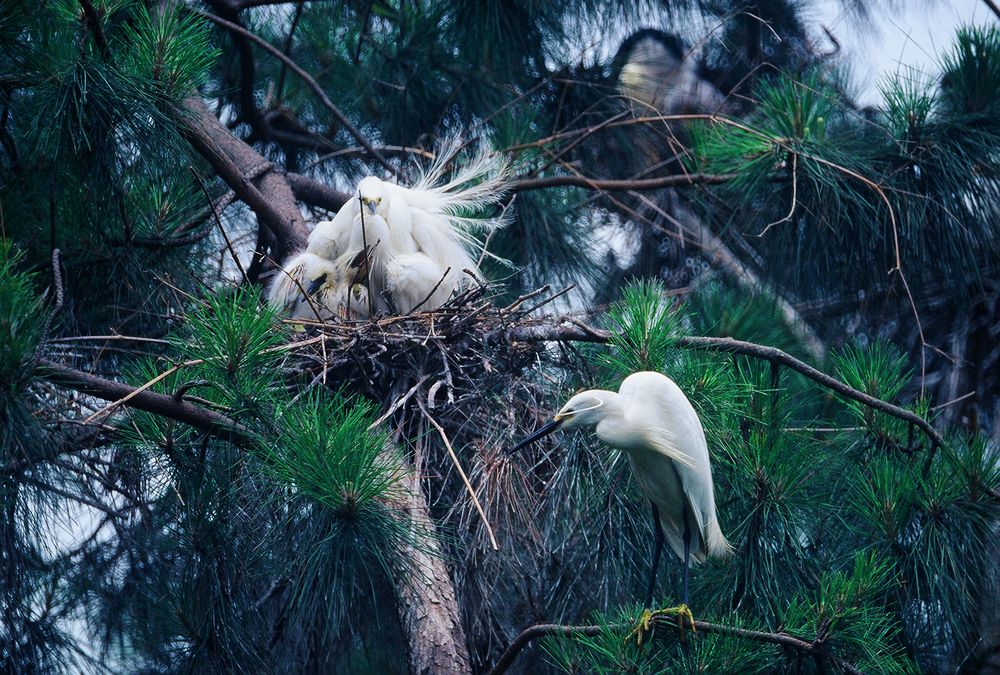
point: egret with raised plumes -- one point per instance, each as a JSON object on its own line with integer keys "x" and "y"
{"x": 432, "y": 217}
{"x": 651, "y": 420}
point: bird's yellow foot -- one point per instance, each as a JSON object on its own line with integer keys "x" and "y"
{"x": 646, "y": 625}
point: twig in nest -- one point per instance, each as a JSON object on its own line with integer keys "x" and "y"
{"x": 522, "y": 299}
{"x": 398, "y": 403}
{"x": 433, "y": 290}
{"x": 550, "y": 299}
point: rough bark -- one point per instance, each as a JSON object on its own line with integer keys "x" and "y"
{"x": 314, "y": 193}
{"x": 252, "y": 177}
{"x": 428, "y": 609}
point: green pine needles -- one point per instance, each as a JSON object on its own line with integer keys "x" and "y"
{"x": 314, "y": 477}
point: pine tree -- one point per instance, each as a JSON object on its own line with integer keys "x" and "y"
{"x": 191, "y": 483}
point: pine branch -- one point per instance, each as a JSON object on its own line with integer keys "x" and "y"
{"x": 270, "y": 196}
{"x": 581, "y": 333}
{"x": 677, "y": 180}
{"x": 72, "y": 441}
{"x": 310, "y": 82}
{"x": 816, "y": 647}
{"x": 149, "y": 401}
{"x": 314, "y": 193}
{"x": 94, "y": 24}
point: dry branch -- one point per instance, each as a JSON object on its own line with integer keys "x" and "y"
{"x": 815, "y": 647}
{"x": 622, "y": 185}
{"x": 548, "y": 332}
{"x": 149, "y": 401}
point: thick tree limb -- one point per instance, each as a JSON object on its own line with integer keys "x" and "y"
{"x": 664, "y": 623}
{"x": 314, "y": 193}
{"x": 270, "y": 196}
{"x": 149, "y": 401}
{"x": 578, "y": 332}
{"x": 428, "y": 608}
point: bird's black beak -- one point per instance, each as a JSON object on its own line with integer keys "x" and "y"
{"x": 316, "y": 284}
{"x": 541, "y": 432}
{"x": 372, "y": 205}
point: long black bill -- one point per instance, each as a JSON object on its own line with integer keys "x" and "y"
{"x": 316, "y": 284}
{"x": 541, "y": 432}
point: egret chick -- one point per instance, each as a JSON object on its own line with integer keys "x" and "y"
{"x": 305, "y": 287}
{"x": 413, "y": 279}
{"x": 651, "y": 420}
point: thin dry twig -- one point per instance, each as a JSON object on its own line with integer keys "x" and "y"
{"x": 222, "y": 229}
{"x": 461, "y": 472}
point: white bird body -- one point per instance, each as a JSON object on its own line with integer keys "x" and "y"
{"x": 651, "y": 420}
{"x": 419, "y": 239}
{"x": 669, "y": 457}
{"x": 414, "y": 279}
{"x": 330, "y": 238}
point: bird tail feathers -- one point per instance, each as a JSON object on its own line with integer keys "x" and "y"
{"x": 715, "y": 542}
{"x": 478, "y": 183}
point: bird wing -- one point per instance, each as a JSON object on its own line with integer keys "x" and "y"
{"x": 661, "y": 412}
{"x": 440, "y": 242}
{"x": 415, "y": 279}
{"x": 330, "y": 238}
{"x": 477, "y": 183}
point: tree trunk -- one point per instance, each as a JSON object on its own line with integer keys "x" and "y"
{"x": 428, "y": 610}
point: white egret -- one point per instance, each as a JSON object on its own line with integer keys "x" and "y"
{"x": 651, "y": 420}
{"x": 409, "y": 279}
{"x": 429, "y": 217}
{"x": 311, "y": 287}
{"x": 305, "y": 287}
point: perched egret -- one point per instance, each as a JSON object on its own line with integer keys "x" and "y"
{"x": 311, "y": 287}
{"x": 653, "y": 423}
{"x": 407, "y": 280}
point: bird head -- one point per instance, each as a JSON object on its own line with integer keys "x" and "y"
{"x": 317, "y": 283}
{"x": 371, "y": 191}
{"x": 582, "y": 410}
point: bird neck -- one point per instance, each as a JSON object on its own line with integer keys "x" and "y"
{"x": 613, "y": 428}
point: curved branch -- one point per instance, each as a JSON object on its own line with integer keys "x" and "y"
{"x": 677, "y": 180}
{"x": 270, "y": 197}
{"x": 583, "y": 333}
{"x": 315, "y": 193}
{"x": 310, "y": 82}
{"x": 781, "y": 639}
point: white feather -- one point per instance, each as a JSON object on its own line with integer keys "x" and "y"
{"x": 300, "y": 274}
